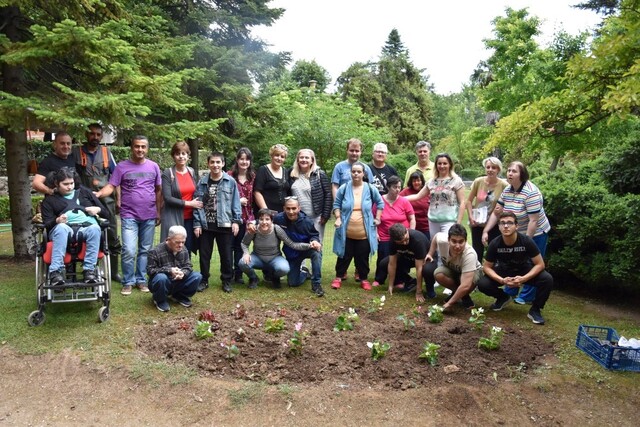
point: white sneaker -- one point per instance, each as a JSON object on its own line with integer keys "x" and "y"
{"x": 447, "y": 291}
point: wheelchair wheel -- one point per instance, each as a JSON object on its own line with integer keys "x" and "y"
{"x": 103, "y": 314}
{"x": 36, "y": 318}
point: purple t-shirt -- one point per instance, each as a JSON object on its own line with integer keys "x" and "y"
{"x": 138, "y": 188}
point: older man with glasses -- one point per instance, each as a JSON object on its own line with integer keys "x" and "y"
{"x": 380, "y": 169}
{"x": 512, "y": 260}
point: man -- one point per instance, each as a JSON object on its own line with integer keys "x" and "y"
{"x": 140, "y": 200}
{"x": 424, "y": 165}
{"x": 380, "y": 169}
{"x": 53, "y": 163}
{"x": 512, "y": 260}
{"x": 407, "y": 250}
{"x": 170, "y": 271}
{"x": 460, "y": 269}
{"x": 95, "y": 164}
{"x": 217, "y": 221}
{"x": 299, "y": 228}
{"x": 342, "y": 171}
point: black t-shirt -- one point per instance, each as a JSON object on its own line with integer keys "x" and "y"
{"x": 273, "y": 190}
{"x": 515, "y": 260}
{"x": 380, "y": 177}
{"x": 53, "y": 163}
{"x": 417, "y": 247}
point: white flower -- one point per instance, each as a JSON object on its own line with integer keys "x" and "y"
{"x": 370, "y": 344}
{"x": 382, "y": 298}
{"x": 496, "y": 329}
{"x": 480, "y": 310}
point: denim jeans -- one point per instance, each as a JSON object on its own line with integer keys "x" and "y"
{"x": 137, "y": 239}
{"x": 161, "y": 286}
{"x": 275, "y": 268}
{"x": 60, "y": 234}
{"x": 297, "y": 277}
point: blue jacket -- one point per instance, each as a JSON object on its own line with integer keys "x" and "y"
{"x": 344, "y": 202}
{"x": 302, "y": 230}
{"x": 229, "y": 209}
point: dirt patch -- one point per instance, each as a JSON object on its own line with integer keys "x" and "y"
{"x": 343, "y": 358}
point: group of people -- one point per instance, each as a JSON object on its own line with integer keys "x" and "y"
{"x": 249, "y": 212}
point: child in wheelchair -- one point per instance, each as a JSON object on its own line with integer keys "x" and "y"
{"x": 70, "y": 215}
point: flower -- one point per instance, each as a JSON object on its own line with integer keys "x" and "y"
{"x": 298, "y": 326}
{"x": 370, "y": 344}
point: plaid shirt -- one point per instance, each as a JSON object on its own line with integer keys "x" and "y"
{"x": 160, "y": 260}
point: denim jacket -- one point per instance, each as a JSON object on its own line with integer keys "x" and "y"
{"x": 229, "y": 209}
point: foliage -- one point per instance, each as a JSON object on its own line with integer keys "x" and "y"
{"x": 273, "y": 326}
{"x": 231, "y": 347}
{"x": 494, "y": 341}
{"x": 207, "y": 316}
{"x": 296, "y": 343}
{"x": 203, "y": 330}
{"x": 345, "y": 321}
{"x": 406, "y": 321}
{"x": 435, "y": 314}
{"x": 378, "y": 349}
{"x": 622, "y": 168}
{"x": 376, "y": 304}
{"x": 5, "y": 214}
{"x": 305, "y": 71}
{"x": 477, "y": 317}
{"x": 430, "y": 353}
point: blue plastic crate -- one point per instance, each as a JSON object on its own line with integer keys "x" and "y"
{"x": 601, "y": 344}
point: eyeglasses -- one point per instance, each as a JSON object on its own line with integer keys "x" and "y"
{"x": 380, "y": 152}
{"x": 291, "y": 198}
{"x": 506, "y": 223}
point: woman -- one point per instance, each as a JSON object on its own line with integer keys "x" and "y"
{"x": 72, "y": 211}
{"x": 355, "y": 236}
{"x": 178, "y": 186}
{"x": 397, "y": 209}
{"x": 446, "y": 206}
{"x": 421, "y": 206}
{"x": 311, "y": 186}
{"x": 244, "y": 174}
{"x": 482, "y": 200}
{"x": 271, "y": 185}
{"x": 266, "y": 254}
{"x": 524, "y": 199}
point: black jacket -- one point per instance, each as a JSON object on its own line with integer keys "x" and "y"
{"x": 55, "y": 205}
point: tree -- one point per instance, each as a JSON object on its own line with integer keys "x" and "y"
{"x": 303, "y": 72}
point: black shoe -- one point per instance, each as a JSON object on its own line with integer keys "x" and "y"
{"x": 226, "y": 286}
{"x": 184, "y": 301}
{"x": 253, "y": 283}
{"x": 536, "y": 316}
{"x": 410, "y": 286}
{"x": 317, "y": 289}
{"x": 238, "y": 280}
{"x": 467, "y": 302}
{"x": 202, "y": 286}
{"x": 89, "y": 276}
{"x": 501, "y": 302}
{"x": 277, "y": 284}
{"x": 56, "y": 278}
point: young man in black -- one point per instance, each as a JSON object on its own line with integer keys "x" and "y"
{"x": 512, "y": 260}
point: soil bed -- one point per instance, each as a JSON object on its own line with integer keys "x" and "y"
{"x": 343, "y": 358}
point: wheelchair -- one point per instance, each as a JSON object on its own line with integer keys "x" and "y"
{"x": 74, "y": 288}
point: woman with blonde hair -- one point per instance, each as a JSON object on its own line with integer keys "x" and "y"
{"x": 311, "y": 186}
{"x": 446, "y": 190}
{"x": 271, "y": 185}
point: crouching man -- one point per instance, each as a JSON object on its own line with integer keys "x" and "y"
{"x": 460, "y": 270}
{"x": 512, "y": 260}
{"x": 301, "y": 229}
{"x": 170, "y": 271}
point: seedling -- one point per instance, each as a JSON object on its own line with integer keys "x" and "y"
{"x": 435, "y": 314}
{"x": 297, "y": 341}
{"x": 345, "y": 321}
{"x": 231, "y": 347}
{"x": 378, "y": 349}
{"x": 203, "y": 330}
{"x": 408, "y": 322}
{"x": 273, "y": 326}
{"x": 477, "y": 317}
{"x": 239, "y": 312}
{"x": 494, "y": 340}
{"x": 207, "y": 316}
{"x": 376, "y": 304}
{"x": 430, "y": 352}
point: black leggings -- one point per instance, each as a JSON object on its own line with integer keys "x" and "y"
{"x": 358, "y": 250}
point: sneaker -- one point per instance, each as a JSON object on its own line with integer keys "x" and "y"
{"x": 185, "y": 302}
{"x": 467, "y": 302}
{"x": 56, "y": 278}
{"x": 536, "y": 316}
{"x": 277, "y": 283}
{"x": 431, "y": 293}
{"x": 317, "y": 289}
{"x": 306, "y": 271}
{"x": 410, "y": 285}
{"x": 253, "y": 283}
{"x": 447, "y": 291}
{"x": 89, "y": 276}
{"x": 202, "y": 286}
{"x": 501, "y": 302}
{"x": 142, "y": 286}
{"x": 161, "y": 306}
{"x": 364, "y": 284}
{"x": 226, "y": 287}
{"x": 356, "y": 276}
{"x": 375, "y": 284}
{"x": 238, "y": 280}
{"x": 336, "y": 283}
{"x": 126, "y": 290}
{"x": 519, "y": 300}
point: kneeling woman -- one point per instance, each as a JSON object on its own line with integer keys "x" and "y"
{"x": 266, "y": 255}
{"x": 72, "y": 211}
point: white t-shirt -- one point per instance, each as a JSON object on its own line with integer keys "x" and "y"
{"x": 466, "y": 262}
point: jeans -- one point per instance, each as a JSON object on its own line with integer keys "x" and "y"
{"x": 161, "y": 286}
{"x": 137, "y": 237}
{"x": 542, "y": 283}
{"x": 528, "y": 292}
{"x": 297, "y": 277}
{"x": 60, "y": 234}
{"x": 275, "y": 268}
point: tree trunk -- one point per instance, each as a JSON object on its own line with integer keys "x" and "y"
{"x": 16, "y": 150}
{"x": 554, "y": 164}
{"x": 195, "y": 155}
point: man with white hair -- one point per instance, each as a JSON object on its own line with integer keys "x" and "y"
{"x": 380, "y": 169}
{"x": 170, "y": 271}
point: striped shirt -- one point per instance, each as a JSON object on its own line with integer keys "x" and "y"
{"x": 524, "y": 202}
